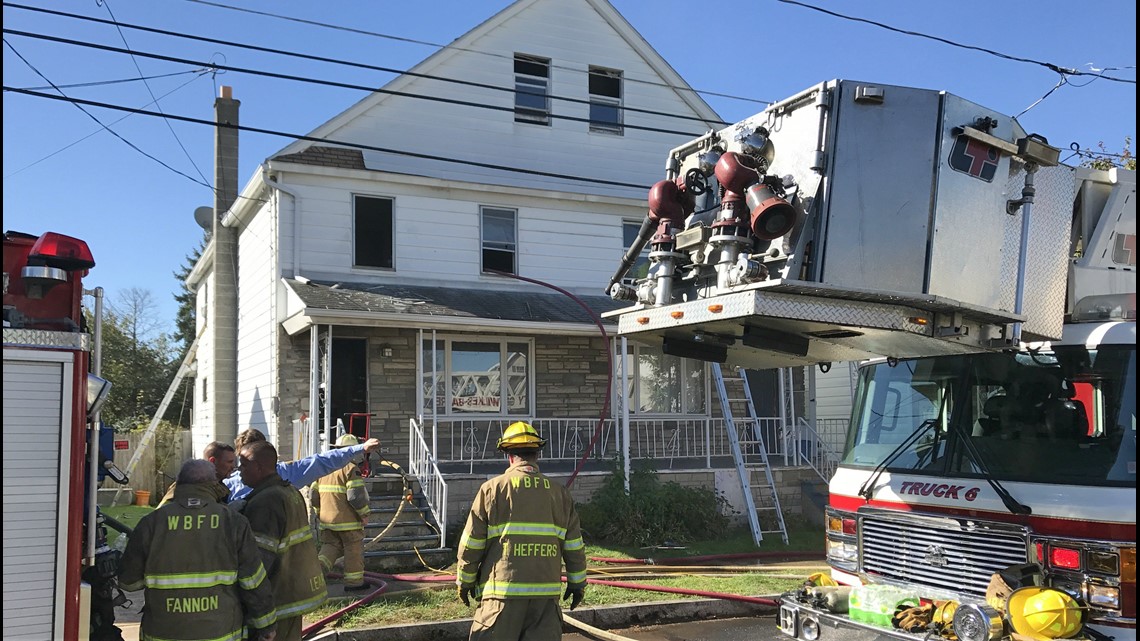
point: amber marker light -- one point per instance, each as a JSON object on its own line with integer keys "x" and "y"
{"x": 642, "y": 320}
{"x": 716, "y": 309}
{"x": 918, "y": 320}
{"x": 677, "y": 314}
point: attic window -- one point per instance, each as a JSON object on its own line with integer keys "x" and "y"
{"x": 605, "y": 100}
{"x": 532, "y": 89}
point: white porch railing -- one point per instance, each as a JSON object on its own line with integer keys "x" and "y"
{"x": 472, "y": 440}
{"x": 814, "y": 446}
{"x": 423, "y": 467}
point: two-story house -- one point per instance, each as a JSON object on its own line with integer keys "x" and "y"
{"x": 373, "y": 274}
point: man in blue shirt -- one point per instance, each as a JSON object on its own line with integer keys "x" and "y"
{"x": 300, "y": 473}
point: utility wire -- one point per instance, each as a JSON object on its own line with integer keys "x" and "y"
{"x": 101, "y": 83}
{"x": 107, "y": 5}
{"x": 447, "y": 46}
{"x": 330, "y": 83}
{"x": 63, "y": 96}
{"x": 1048, "y": 65}
{"x": 199, "y": 73}
{"x": 347, "y": 63}
{"x": 342, "y": 143}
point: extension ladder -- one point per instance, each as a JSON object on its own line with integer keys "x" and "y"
{"x": 750, "y": 454}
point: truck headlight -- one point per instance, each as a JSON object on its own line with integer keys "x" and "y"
{"x": 1103, "y": 596}
{"x": 842, "y": 551}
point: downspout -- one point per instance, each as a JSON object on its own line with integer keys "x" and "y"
{"x": 295, "y": 219}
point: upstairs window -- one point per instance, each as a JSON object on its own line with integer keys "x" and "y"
{"x": 498, "y": 239}
{"x": 532, "y": 89}
{"x": 372, "y": 233}
{"x": 605, "y": 101}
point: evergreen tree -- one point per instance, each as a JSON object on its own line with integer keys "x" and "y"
{"x": 185, "y": 320}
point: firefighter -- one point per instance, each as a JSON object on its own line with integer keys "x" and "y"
{"x": 224, "y": 459}
{"x": 193, "y": 536}
{"x": 280, "y": 523}
{"x": 341, "y": 503}
{"x": 521, "y": 529}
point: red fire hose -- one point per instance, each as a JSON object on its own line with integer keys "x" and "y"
{"x": 712, "y": 557}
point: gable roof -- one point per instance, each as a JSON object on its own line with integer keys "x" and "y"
{"x": 486, "y": 165}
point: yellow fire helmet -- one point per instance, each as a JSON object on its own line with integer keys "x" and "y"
{"x": 520, "y": 436}
{"x": 347, "y": 439}
{"x": 1043, "y": 614}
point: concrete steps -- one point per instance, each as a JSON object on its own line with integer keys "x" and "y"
{"x": 410, "y": 540}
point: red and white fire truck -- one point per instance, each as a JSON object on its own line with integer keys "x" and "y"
{"x": 51, "y": 558}
{"x": 990, "y": 290}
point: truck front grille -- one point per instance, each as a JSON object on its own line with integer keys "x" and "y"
{"x": 947, "y": 554}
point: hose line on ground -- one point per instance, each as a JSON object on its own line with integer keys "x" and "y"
{"x": 380, "y": 585}
{"x": 711, "y": 557}
{"x": 592, "y": 631}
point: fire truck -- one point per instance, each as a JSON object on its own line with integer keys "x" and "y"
{"x": 988, "y": 290}
{"x": 58, "y": 570}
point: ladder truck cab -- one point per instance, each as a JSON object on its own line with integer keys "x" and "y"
{"x": 57, "y": 566}
{"x": 991, "y": 291}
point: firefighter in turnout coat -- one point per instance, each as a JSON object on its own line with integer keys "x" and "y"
{"x": 521, "y": 529}
{"x": 280, "y": 524}
{"x": 341, "y": 503}
{"x": 199, "y": 564}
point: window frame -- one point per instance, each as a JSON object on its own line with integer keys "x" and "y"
{"x": 616, "y": 128}
{"x": 513, "y": 245}
{"x": 356, "y": 197}
{"x": 688, "y": 365}
{"x": 445, "y": 343}
{"x": 527, "y": 114}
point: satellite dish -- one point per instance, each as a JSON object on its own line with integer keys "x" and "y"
{"x": 204, "y": 216}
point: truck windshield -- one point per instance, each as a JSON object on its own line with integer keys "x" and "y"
{"x": 1065, "y": 417}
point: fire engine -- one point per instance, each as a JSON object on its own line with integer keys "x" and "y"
{"x": 58, "y": 570}
{"x": 989, "y": 290}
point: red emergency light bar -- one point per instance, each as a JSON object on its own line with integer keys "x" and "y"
{"x": 63, "y": 252}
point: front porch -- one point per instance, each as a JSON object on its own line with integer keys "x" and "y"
{"x": 688, "y": 450}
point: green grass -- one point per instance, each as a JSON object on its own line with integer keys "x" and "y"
{"x": 440, "y": 603}
{"x": 128, "y": 515}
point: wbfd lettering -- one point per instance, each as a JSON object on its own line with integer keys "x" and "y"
{"x": 534, "y": 549}
{"x": 192, "y": 604}
{"x": 192, "y": 522}
{"x": 529, "y": 482}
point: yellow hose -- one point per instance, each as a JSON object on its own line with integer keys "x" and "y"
{"x": 592, "y": 631}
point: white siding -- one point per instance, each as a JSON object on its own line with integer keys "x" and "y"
{"x": 36, "y": 413}
{"x": 571, "y": 243}
{"x": 833, "y": 392}
{"x": 554, "y": 30}
{"x": 203, "y": 430}
{"x": 257, "y": 291}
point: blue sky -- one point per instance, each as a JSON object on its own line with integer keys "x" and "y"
{"x": 137, "y": 215}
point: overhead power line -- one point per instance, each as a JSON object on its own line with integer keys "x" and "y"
{"x": 349, "y": 63}
{"x": 199, "y": 74}
{"x": 332, "y": 141}
{"x": 64, "y": 97}
{"x": 101, "y": 83}
{"x": 330, "y": 83}
{"x": 375, "y": 34}
{"x": 157, "y": 104}
{"x": 1047, "y": 65}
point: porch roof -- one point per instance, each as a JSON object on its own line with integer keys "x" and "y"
{"x": 424, "y": 305}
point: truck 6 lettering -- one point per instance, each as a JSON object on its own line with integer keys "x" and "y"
{"x": 941, "y": 490}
